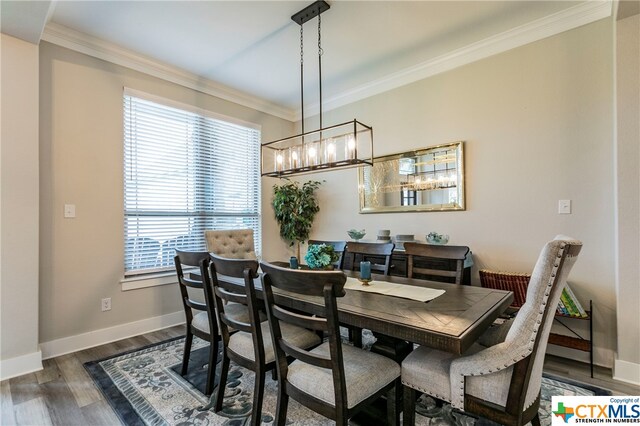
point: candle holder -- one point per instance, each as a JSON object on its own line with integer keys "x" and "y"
{"x": 364, "y": 282}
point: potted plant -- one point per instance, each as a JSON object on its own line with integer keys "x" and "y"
{"x": 321, "y": 256}
{"x": 295, "y": 207}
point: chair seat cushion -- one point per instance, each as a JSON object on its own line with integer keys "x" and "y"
{"x": 236, "y": 311}
{"x": 427, "y": 370}
{"x": 365, "y": 374}
{"x": 242, "y": 342}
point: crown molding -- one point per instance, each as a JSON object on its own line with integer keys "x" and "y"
{"x": 539, "y": 29}
{"x": 92, "y": 46}
{"x": 568, "y": 19}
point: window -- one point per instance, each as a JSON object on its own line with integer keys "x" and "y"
{"x": 185, "y": 171}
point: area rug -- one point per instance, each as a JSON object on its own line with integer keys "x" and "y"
{"x": 144, "y": 387}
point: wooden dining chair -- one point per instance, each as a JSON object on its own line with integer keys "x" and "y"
{"x": 200, "y": 317}
{"x": 333, "y": 380}
{"x": 251, "y": 346}
{"x": 443, "y": 263}
{"x": 338, "y": 246}
{"x": 372, "y": 252}
{"x": 500, "y": 382}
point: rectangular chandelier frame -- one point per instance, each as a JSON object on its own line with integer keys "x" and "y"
{"x": 349, "y": 144}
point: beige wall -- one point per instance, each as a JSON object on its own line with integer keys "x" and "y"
{"x": 81, "y": 149}
{"x": 628, "y": 192}
{"x": 538, "y": 127}
{"x": 19, "y": 206}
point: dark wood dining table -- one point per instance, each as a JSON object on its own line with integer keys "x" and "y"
{"x": 451, "y": 322}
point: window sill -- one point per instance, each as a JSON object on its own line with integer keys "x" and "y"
{"x": 150, "y": 280}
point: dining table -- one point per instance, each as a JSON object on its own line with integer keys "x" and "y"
{"x": 451, "y": 322}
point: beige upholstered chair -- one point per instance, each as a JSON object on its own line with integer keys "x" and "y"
{"x": 500, "y": 382}
{"x": 251, "y": 346}
{"x": 231, "y": 243}
{"x": 333, "y": 379}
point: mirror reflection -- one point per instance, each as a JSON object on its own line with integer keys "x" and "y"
{"x": 430, "y": 179}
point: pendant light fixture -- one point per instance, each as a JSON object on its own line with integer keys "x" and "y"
{"x": 349, "y": 144}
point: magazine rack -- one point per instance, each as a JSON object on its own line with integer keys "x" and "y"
{"x": 575, "y": 341}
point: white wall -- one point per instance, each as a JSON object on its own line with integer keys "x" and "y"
{"x": 627, "y": 365}
{"x": 538, "y": 126}
{"x": 19, "y": 353}
{"x": 81, "y": 149}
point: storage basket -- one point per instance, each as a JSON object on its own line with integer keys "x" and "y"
{"x": 517, "y": 283}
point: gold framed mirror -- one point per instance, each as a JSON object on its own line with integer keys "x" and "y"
{"x": 429, "y": 179}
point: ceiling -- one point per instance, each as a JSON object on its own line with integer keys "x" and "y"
{"x": 253, "y": 47}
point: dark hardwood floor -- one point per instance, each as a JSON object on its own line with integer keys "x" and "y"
{"x": 64, "y": 394}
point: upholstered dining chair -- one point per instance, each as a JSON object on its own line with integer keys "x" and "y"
{"x": 200, "y": 316}
{"x": 338, "y": 246}
{"x": 500, "y": 382}
{"x": 251, "y": 346}
{"x": 333, "y": 380}
{"x": 231, "y": 243}
{"x": 450, "y": 257}
{"x": 369, "y": 251}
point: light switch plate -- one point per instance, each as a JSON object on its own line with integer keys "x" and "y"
{"x": 564, "y": 207}
{"x": 69, "y": 211}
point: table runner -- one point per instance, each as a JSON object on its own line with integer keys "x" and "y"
{"x": 421, "y": 294}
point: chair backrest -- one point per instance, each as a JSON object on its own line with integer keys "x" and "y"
{"x": 368, "y": 251}
{"x": 449, "y": 259}
{"x": 192, "y": 260}
{"x": 236, "y": 268}
{"x": 326, "y": 284}
{"x": 338, "y": 246}
{"x": 531, "y": 327}
{"x": 231, "y": 243}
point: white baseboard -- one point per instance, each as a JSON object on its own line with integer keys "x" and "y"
{"x": 82, "y": 341}
{"x": 20, "y": 365}
{"x": 625, "y": 371}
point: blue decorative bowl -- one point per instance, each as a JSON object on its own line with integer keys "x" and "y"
{"x": 435, "y": 238}
{"x": 355, "y": 234}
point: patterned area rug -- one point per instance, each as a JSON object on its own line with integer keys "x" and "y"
{"x": 144, "y": 387}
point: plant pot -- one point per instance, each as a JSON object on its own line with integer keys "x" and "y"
{"x": 325, "y": 268}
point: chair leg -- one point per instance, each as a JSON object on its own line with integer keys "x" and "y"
{"x": 211, "y": 370}
{"x": 357, "y": 337}
{"x": 409, "y": 409}
{"x": 536, "y": 420}
{"x": 283, "y": 404}
{"x": 187, "y": 352}
{"x": 224, "y": 371}
{"x": 258, "y": 394}
{"x": 393, "y": 410}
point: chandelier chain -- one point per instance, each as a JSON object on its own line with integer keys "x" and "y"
{"x": 301, "y": 45}
{"x": 302, "y": 79}
{"x": 320, "y": 51}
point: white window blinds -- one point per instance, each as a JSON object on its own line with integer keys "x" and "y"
{"x": 184, "y": 172}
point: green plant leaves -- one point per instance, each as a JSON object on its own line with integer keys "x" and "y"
{"x": 295, "y": 207}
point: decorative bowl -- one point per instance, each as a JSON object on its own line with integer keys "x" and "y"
{"x": 355, "y": 234}
{"x": 435, "y": 238}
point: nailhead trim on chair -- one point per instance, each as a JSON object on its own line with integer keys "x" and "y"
{"x": 536, "y": 329}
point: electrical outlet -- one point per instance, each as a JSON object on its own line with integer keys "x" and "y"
{"x": 106, "y": 304}
{"x": 69, "y": 211}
